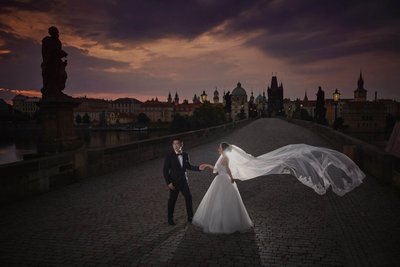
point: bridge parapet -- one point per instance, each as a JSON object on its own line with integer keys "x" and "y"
{"x": 379, "y": 164}
{"x": 37, "y": 175}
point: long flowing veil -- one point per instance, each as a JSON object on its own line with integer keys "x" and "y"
{"x": 315, "y": 167}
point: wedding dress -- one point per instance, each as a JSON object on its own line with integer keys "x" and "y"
{"x": 315, "y": 167}
{"x": 221, "y": 210}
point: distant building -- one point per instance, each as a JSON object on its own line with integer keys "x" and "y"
{"x": 392, "y": 107}
{"x": 126, "y": 105}
{"x": 288, "y": 107}
{"x": 360, "y": 115}
{"x": 196, "y": 99}
{"x": 186, "y": 109}
{"x": 158, "y": 111}
{"x": 360, "y": 94}
{"x": 239, "y": 102}
{"x": 98, "y": 112}
{"x": 261, "y": 104}
{"x": 216, "y": 96}
{"x": 368, "y": 116}
{"x": 275, "y": 98}
{"x": 309, "y": 106}
{"x": 25, "y": 104}
{"x": 330, "y": 108}
{"x": 126, "y": 118}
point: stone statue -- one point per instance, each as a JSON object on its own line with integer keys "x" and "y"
{"x": 53, "y": 66}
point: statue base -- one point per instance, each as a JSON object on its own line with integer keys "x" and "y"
{"x": 58, "y": 132}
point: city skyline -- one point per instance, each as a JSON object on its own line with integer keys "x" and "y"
{"x": 147, "y": 49}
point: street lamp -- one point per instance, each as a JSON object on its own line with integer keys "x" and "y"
{"x": 336, "y": 99}
{"x": 203, "y": 97}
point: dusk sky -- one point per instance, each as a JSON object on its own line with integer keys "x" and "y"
{"x": 145, "y": 49}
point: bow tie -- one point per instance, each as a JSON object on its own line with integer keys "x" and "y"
{"x": 179, "y": 154}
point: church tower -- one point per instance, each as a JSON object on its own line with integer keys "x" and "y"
{"x": 305, "y": 97}
{"x": 275, "y": 97}
{"x": 360, "y": 94}
{"x": 169, "y": 98}
{"x": 176, "y": 99}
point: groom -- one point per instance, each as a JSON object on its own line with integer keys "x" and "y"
{"x": 175, "y": 165}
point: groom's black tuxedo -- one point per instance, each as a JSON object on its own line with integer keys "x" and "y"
{"x": 175, "y": 173}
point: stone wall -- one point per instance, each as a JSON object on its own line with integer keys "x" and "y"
{"x": 37, "y": 175}
{"x": 376, "y": 162}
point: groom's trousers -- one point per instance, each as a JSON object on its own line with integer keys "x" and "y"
{"x": 173, "y": 196}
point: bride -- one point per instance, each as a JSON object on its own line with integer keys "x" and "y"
{"x": 221, "y": 209}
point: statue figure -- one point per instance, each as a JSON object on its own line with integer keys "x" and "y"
{"x": 53, "y": 66}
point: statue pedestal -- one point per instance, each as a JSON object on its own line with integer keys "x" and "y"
{"x": 58, "y": 133}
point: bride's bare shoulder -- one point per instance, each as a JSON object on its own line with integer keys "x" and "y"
{"x": 224, "y": 161}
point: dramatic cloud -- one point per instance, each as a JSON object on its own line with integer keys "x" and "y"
{"x": 147, "y": 48}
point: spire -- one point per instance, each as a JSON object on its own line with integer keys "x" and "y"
{"x": 274, "y": 82}
{"x": 169, "y": 97}
{"x": 360, "y": 82}
{"x": 305, "y": 96}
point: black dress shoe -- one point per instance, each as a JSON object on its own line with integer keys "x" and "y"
{"x": 171, "y": 222}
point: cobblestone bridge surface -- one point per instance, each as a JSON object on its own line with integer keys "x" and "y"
{"x": 119, "y": 219}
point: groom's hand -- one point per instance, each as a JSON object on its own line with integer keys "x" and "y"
{"x": 171, "y": 186}
{"x": 202, "y": 167}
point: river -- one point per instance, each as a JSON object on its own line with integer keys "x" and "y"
{"x": 13, "y": 148}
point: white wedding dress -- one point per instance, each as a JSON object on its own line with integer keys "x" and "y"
{"x": 221, "y": 210}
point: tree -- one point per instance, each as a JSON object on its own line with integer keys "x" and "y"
{"x": 78, "y": 119}
{"x": 180, "y": 123}
{"x": 86, "y": 118}
{"x": 208, "y": 115}
{"x": 142, "y": 119}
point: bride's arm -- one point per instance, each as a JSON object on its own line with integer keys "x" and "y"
{"x": 228, "y": 171}
{"x": 206, "y": 165}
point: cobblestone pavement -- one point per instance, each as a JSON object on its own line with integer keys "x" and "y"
{"x": 119, "y": 219}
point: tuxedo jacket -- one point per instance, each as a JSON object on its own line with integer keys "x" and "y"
{"x": 173, "y": 171}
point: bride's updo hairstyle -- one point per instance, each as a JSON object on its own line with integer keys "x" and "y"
{"x": 225, "y": 146}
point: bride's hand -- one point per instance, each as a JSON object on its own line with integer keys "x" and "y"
{"x": 205, "y": 165}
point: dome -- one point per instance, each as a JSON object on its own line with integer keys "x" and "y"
{"x": 239, "y": 91}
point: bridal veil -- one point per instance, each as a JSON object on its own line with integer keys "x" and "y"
{"x": 315, "y": 167}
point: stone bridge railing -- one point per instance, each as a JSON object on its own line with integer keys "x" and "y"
{"x": 29, "y": 177}
{"x": 376, "y": 162}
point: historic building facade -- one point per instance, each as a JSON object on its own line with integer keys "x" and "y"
{"x": 240, "y": 106}
{"x": 25, "y": 104}
{"x": 126, "y": 105}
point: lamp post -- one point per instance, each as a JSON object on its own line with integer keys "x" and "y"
{"x": 336, "y": 99}
{"x": 203, "y": 97}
